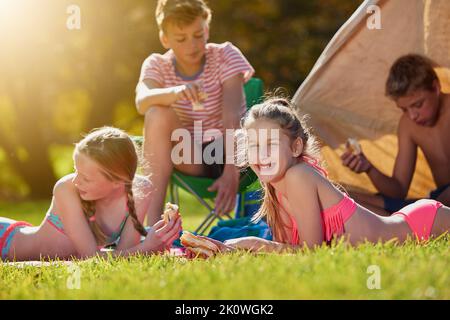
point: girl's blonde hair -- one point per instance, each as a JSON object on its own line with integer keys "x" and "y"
{"x": 117, "y": 155}
{"x": 180, "y": 12}
{"x": 283, "y": 113}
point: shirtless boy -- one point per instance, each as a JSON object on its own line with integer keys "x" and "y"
{"x": 425, "y": 124}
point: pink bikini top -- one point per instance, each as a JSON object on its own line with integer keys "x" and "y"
{"x": 333, "y": 218}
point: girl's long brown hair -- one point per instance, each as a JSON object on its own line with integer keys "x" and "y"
{"x": 283, "y": 113}
{"x": 117, "y": 154}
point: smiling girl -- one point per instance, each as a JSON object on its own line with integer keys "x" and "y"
{"x": 302, "y": 207}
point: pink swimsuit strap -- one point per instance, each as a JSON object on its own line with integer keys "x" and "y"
{"x": 315, "y": 164}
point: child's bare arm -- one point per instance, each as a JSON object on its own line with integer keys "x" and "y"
{"x": 159, "y": 238}
{"x": 73, "y": 219}
{"x": 302, "y": 194}
{"x": 397, "y": 186}
{"x": 150, "y": 93}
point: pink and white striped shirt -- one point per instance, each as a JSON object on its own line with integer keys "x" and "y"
{"x": 222, "y": 62}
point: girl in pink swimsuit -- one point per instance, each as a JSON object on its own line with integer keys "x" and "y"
{"x": 301, "y": 205}
{"x": 103, "y": 202}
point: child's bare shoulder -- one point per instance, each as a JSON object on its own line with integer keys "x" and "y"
{"x": 301, "y": 172}
{"x": 405, "y": 124}
{"x": 64, "y": 185}
{"x": 407, "y": 128}
{"x": 64, "y": 191}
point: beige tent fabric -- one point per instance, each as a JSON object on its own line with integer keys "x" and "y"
{"x": 344, "y": 93}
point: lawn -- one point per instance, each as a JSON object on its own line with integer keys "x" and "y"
{"x": 410, "y": 271}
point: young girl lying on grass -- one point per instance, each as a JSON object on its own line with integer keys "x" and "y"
{"x": 104, "y": 200}
{"x": 302, "y": 207}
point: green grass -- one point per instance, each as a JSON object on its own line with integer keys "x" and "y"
{"x": 410, "y": 271}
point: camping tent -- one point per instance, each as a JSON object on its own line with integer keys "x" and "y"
{"x": 344, "y": 92}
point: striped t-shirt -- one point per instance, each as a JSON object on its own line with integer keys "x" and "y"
{"x": 222, "y": 61}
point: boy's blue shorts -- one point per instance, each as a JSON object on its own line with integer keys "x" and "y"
{"x": 392, "y": 205}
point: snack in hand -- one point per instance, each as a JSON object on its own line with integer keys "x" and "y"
{"x": 200, "y": 246}
{"x": 353, "y": 146}
{"x": 170, "y": 211}
{"x": 196, "y": 106}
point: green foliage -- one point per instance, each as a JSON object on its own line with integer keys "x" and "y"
{"x": 282, "y": 39}
{"x": 57, "y": 83}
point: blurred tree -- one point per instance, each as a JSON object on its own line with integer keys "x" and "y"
{"x": 56, "y": 83}
{"x": 282, "y": 39}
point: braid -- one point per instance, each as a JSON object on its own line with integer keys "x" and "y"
{"x": 132, "y": 210}
{"x": 115, "y": 152}
{"x": 89, "y": 212}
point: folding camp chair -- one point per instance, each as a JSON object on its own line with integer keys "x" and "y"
{"x": 198, "y": 186}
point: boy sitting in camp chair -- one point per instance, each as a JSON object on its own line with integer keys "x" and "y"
{"x": 425, "y": 124}
{"x": 194, "y": 83}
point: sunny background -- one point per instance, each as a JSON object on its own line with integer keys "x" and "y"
{"x": 56, "y": 84}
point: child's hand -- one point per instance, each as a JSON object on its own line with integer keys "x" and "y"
{"x": 222, "y": 248}
{"x": 190, "y": 91}
{"x": 162, "y": 235}
{"x": 356, "y": 162}
{"x": 226, "y": 187}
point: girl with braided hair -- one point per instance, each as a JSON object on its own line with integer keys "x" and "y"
{"x": 103, "y": 202}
